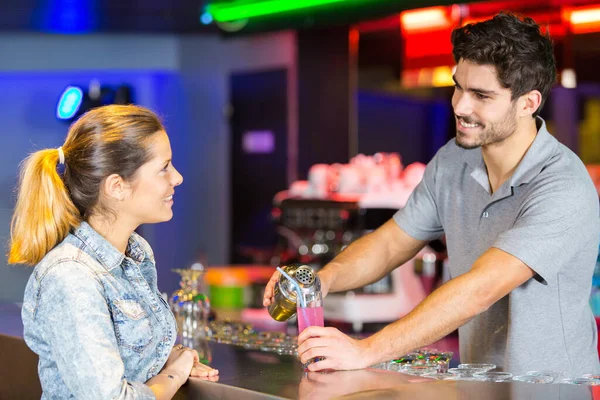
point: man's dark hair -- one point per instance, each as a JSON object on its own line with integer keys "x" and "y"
{"x": 522, "y": 55}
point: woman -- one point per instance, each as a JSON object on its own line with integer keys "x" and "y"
{"x": 92, "y": 310}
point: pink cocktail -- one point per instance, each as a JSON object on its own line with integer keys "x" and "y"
{"x": 309, "y": 316}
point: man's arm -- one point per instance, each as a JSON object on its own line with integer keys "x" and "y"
{"x": 494, "y": 275}
{"x": 364, "y": 261}
{"x": 370, "y": 258}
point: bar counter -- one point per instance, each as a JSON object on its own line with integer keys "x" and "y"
{"x": 247, "y": 374}
{"x": 255, "y": 375}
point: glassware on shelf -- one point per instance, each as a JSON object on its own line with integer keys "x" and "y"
{"x": 191, "y": 307}
{"x": 493, "y": 376}
{"x": 440, "y": 376}
{"x": 426, "y": 361}
{"x": 591, "y": 376}
{"x": 423, "y": 357}
{"x": 468, "y": 370}
{"x": 553, "y": 374}
{"x": 419, "y": 370}
{"x": 538, "y": 379}
{"x": 243, "y": 335}
{"x": 582, "y": 381}
{"x": 482, "y": 367}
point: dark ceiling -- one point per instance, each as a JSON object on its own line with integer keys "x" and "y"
{"x": 177, "y": 16}
{"x": 84, "y": 16}
{"x": 183, "y": 16}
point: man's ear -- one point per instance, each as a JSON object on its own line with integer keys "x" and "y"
{"x": 529, "y": 103}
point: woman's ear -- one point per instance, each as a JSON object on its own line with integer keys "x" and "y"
{"x": 115, "y": 188}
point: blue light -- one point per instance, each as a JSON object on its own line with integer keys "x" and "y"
{"x": 69, "y": 102}
{"x": 67, "y": 16}
{"x": 206, "y": 18}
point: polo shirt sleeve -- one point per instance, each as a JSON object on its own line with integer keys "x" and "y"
{"x": 419, "y": 218}
{"x": 556, "y": 221}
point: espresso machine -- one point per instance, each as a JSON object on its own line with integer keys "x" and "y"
{"x": 315, "y": 223}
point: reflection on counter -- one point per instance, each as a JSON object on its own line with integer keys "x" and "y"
{"x": 327, "y": 385}
{"x": 273, "y": 376}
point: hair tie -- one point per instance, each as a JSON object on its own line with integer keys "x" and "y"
{"x": 61, "y": 155}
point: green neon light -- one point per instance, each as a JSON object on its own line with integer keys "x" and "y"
{"x": 242, "y": 9}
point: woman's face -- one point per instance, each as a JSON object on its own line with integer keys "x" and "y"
{"x": 150, "y": 198}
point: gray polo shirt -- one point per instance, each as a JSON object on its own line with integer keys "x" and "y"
{"x": 547, "y": 216}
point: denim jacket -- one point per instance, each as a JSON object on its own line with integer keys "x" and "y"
{"x": 96, "y": 319}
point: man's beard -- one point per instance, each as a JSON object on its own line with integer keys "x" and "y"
{"x": 493, "y": 134}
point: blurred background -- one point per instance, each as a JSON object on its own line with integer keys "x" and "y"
{"x": 297, "y": 125}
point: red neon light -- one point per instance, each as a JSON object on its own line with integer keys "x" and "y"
{"x": 433, "y": 43}
{"x": 583, "y": 20}
{"x": 426, "y": 35}
{"x": 431, "y": 18}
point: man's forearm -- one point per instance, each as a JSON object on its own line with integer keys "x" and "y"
{"x": 370, "y": 258}
{"x": 494, "y": 275}
{"x": 442, "y": 312}
{"x": 358, "y": 265}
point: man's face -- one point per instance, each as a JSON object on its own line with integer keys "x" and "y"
{"x": 483, "y": 109}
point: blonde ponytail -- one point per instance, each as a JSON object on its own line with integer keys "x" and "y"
{"x": 44, "y": 213}
{"x": 107, "y": 140}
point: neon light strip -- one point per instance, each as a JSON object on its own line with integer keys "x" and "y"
{"x": 242, "y": 9}
{"x": 585, "y": 16}
{"x": 426, "y": 18}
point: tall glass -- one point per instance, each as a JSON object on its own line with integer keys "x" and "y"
{"x": 191, "y": 308}
{"x": 310, "y": 315}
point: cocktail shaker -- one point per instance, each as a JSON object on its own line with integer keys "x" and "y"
{"x": 285, "y": 296}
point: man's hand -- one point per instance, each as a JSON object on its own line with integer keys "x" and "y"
{"x": 270, "y": 288}
{"x": 341, "y": 352}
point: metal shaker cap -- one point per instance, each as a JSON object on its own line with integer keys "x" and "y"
{"x": 305, "y": 276}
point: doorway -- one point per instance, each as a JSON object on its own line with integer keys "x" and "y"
{"x": 258, "y": 122}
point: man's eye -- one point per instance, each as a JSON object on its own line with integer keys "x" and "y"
{"x": 481, "y": 96}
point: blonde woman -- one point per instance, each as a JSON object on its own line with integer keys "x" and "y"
{"x": 92, "y": 310}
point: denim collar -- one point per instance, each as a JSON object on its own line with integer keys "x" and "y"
{"x": 104, "y": 251}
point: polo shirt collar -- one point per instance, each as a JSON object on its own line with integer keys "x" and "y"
{"x": 536, "y": 157}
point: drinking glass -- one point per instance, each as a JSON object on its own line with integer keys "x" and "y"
{"x": 190, "y": 307}
{"x": 310, "y": 315}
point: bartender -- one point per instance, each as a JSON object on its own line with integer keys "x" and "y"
{"x": 521, "y": 219}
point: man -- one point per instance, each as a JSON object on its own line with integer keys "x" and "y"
{"x": 521, "y": 219}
